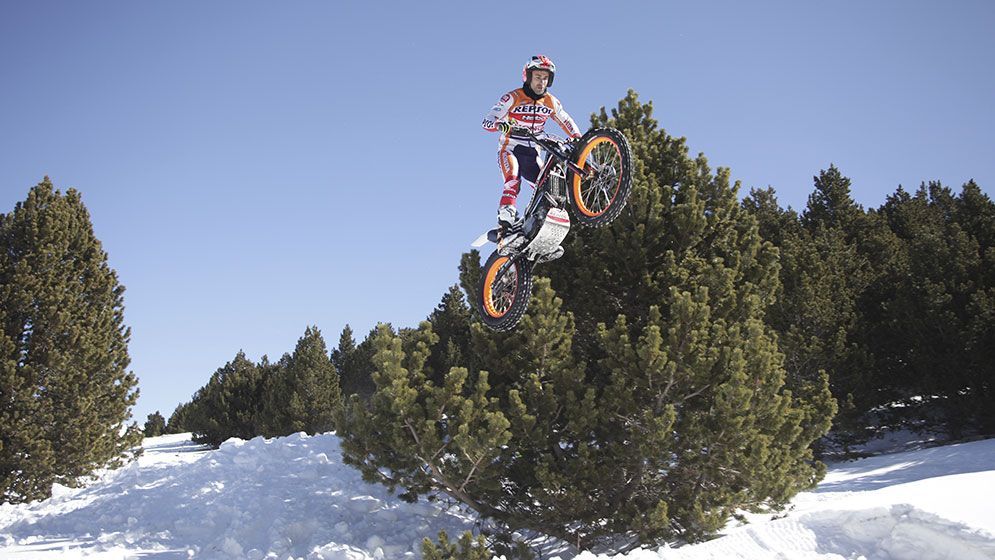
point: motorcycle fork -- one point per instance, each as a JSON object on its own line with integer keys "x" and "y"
{"x": 507, "y": 266}
{"x": 553, "y": 157}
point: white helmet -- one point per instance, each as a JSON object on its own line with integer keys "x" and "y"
{"x": 539, "y": 62}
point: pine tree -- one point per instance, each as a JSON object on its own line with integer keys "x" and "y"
{"x": 831, "y": 204}
{"x": 775, "y": 224}
{"x": 155, "y": 425}
{"x": 976, "y": 216}
{"x": 558, "y": 455}
{"x": 979, "y": 399}
{"x": 451, "y": 323}
{"x": 469, "y": 276}
{"x": 684, "y": 279}
{"x": 271, "y": 420}
{"x": 229, "y": 404}
{"x": 611, "y": 271}
{"x": 823, "y": 276}
{"x": 975, "y": 213}
{"x": 686, "y": 265}
{"x": 305, "y": 395}
{"x": 66, "y": 392}
{"x": 27, "y": 463}
{"x": 344, "y": 353}
{"x": 178, "y": 422}
{"x": 354, "y": 364}
{"x": 660, "y": 424}
{"x": 930, "y": 316}
{"x": 417, "y": 435}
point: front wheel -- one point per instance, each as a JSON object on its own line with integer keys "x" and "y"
{"x": 597, "y": 198}
{"x": 504, "y": 291}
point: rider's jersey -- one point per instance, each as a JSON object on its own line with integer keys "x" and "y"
{"x": 523, "y": 111}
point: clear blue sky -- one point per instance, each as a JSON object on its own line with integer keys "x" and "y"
{"x": 253, "y": 168}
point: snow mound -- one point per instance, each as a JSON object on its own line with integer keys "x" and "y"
{"x": 894, "y": 532}
{"x": 936, "y": 503}
{"x": 293, "y": 497}
{"x": 282, "y": 498}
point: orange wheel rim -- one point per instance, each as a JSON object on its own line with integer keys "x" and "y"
{"x": 497, "y": 303}
{"x": 595, "y": 195}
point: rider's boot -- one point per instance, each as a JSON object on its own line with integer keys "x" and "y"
{"x": 509, "y": 228}
{"x": 507, "y": 217}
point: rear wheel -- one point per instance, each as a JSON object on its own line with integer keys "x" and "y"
{"x": 597, "y": 198}
{"x": 504, "y": 291}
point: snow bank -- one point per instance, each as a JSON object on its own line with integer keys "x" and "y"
{"x": 293, "y": 498}
{"x": 936, "y": 503}
{"x": 282, "y": 498}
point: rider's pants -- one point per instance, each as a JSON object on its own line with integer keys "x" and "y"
{"x": 519, "y": 163}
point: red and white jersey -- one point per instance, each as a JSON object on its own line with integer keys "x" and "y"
{"x": 523, "y": 111}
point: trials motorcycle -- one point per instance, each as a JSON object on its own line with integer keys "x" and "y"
{"x": 588, "y": 180}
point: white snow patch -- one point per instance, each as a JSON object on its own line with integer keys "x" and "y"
{"x": 285, "y": 497}
{"x": 294, "y": 498}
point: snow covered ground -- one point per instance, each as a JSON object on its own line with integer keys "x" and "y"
{"x": 293, "y": 498}
{"x": 285, "y": 497}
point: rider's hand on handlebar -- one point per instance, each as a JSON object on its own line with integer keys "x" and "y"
{"x": 505, "y": 127}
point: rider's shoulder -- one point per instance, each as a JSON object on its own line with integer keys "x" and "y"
{"x": 513, "y": 96}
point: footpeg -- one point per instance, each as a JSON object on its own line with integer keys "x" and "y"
{"x": 510, "y": 242}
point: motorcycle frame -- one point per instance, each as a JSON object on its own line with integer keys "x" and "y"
{"x": 555, "y": 155}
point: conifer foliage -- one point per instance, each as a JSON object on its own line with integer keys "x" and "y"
{"x": 228, "y": 406}
{"x": 823, "y": 275}
{"x": 155, "y": 425}
{"x": 673, "y": 298}
{"x": 466, "y": 548}
{"x": 303, "y": 396}
{"x": 426, "y": 435}
{"x": 65, "y": 392}
{"x": 933, "y": 352}
{"x": 354, "y": 364}
{"x": 451, "y": 322}
{"x": 648, "y": 401}
{"x": 892, "y": 304}
{"x": 242, "y": 399}
{"x": 179, "y": 420}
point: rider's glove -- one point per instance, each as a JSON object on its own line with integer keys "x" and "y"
{"x": 505, "y": 127}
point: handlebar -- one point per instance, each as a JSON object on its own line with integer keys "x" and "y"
{"x": 556, "y": 146}
{"x": 547, "y": 141}
{"x": 522, "y": 131}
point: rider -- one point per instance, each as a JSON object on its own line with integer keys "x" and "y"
{"x": 527, "y": 107}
